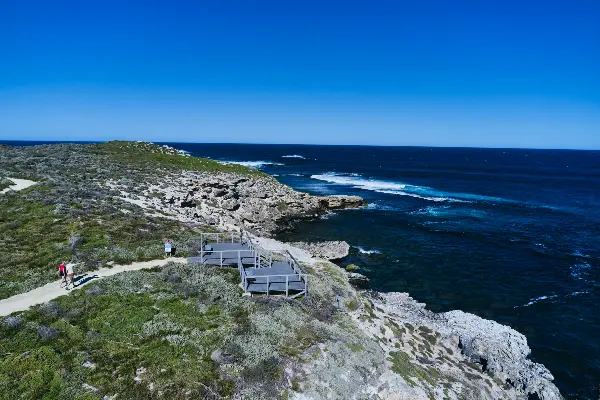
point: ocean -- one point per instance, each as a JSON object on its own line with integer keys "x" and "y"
{"x": 511, "y": 235}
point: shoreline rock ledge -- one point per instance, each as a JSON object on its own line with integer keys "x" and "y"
{"x": 330, "y": 250}
{"x": 259, "y": 204}
{"x": 500, "y": 349}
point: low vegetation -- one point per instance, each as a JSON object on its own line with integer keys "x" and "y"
{"x": 148, "y": 155}
{"x": 184, "y": 331}
{"x": 5, "y": 183}
{"x": 352, "y": 267}
{"x": 73, "y": 213}
{"x": 37, "y": 237}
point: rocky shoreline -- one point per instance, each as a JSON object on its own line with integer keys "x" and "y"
{"x": 362, "y": 344}
{"x": 476, "y": 355}
{"x": 257, "y": 204}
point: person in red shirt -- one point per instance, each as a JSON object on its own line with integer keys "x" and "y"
{"x": 62, "y": 272}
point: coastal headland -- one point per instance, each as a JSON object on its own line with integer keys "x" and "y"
{"x": 184, "y": 330}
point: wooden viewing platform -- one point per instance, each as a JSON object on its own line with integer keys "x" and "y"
{"x": 261, "y": 271}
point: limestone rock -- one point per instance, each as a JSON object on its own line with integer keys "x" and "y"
{"x": 503, "y": 351}
{"x": 343, "y": 201}
{"x": 260, "y": 204}
{"x": 498, "y": 348}
{"x": 358, "y": 280}
{"x": 331, "y": 250}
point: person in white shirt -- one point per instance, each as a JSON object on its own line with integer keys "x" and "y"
{"x": 168, "y": 246}
{"x": 70, "y": 272}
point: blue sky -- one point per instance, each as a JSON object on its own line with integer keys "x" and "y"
{"x": 433, "y": 73}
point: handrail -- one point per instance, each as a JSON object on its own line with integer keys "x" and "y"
{"x": 268, "y": 277}
{"x": 239, "y": 255}
{"x": 260, "y": 256}
{"x": 295, "y": 261}
{"x": 264, "y": 276}
{"x": 243, "y": 275}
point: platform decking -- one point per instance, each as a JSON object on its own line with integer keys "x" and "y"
{"x": 261, "y": 271}
{"x": 226, "y": 254}
{"x": 275, "y": 279}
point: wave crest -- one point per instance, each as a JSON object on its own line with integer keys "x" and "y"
{"x": 366, "y": 251}
{"x": 401, "y": 189}
{"x": 252, "y": 164}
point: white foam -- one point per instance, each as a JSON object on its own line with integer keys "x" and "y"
{"x": 379, "y": 186}
{"x": 430, "y": 198}
{"x": 252, "y": 164}
{"x": 579, "y": 270}
{"x": 550, "y": 297}
{"x": 327, "y": 215}
{"x": 431, "y": 210}
{"x": 365, "y": 251}
{"x": 578, "y": 253}
{"x": 538, "y": 299}
{"x": 380, "y": 207}
{"x": 294, "y": 156}
{"x": 579, "y": 293}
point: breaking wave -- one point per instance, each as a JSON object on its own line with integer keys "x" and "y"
{"x": 538, "y": 299}
{"x": 449, "y": 211}
{"x": 380, "y": 207}
{"x": 581, "y": 271}
{"x": 252, "y": 164}
{"x": 401, "y": 189}
{"x": 294, "y": 156}
{"x": 365, "y": 251}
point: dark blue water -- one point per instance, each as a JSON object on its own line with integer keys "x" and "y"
{"x": 510, "y": 235}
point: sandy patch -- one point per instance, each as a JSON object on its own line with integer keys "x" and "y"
{"x": 19, "y": 184}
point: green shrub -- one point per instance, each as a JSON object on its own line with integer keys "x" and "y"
{"x": 352, "y": 267}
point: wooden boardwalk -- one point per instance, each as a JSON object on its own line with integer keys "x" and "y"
{"x": 225, "y": 254}
{"x": 260, "y": 271}
{"x": 278, "y": 277}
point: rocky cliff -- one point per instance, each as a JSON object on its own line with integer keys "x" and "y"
{"x": 257, "y": 203}
{"x": 117, "y": 200}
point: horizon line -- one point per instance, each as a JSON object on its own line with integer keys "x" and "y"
{"x": 2, "y": 141}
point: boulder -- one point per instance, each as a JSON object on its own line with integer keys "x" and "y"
{"x": 331, "y": 250}
{"x": 342, "y": 201}
{"x": 358, "y": 280}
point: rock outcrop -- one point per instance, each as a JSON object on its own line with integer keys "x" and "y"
{"x": 257, "y": 203}
{"x": 358, "y": 280}
{"x": 331, "y": 250}
{"x": 498, "y": 349}
{"x": 502, "y": 350}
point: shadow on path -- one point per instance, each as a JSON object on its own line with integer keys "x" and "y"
{"x": 83, "y": 279}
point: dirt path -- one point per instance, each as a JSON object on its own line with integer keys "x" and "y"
{"x": 43, "y": 294}
{"x": 19, "y": 184}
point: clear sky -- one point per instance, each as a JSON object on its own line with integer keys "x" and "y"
{"x": 434, "y": 73}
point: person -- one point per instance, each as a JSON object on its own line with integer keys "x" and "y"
{"x": 62, "y": 272}
{"x": 70, "y": 272}
{"x": 168, "y": 246}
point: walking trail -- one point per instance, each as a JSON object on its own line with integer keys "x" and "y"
{"x": 19, "y": 184}
{"x": 50, "y": 291}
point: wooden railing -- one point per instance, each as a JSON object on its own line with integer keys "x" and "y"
{"x": 220, "y": 237}
{"x": 238, "y": 253}
{"x": 262, "y": 259}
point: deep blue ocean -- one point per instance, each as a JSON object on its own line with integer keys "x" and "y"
{"x": 507, "y": 234}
